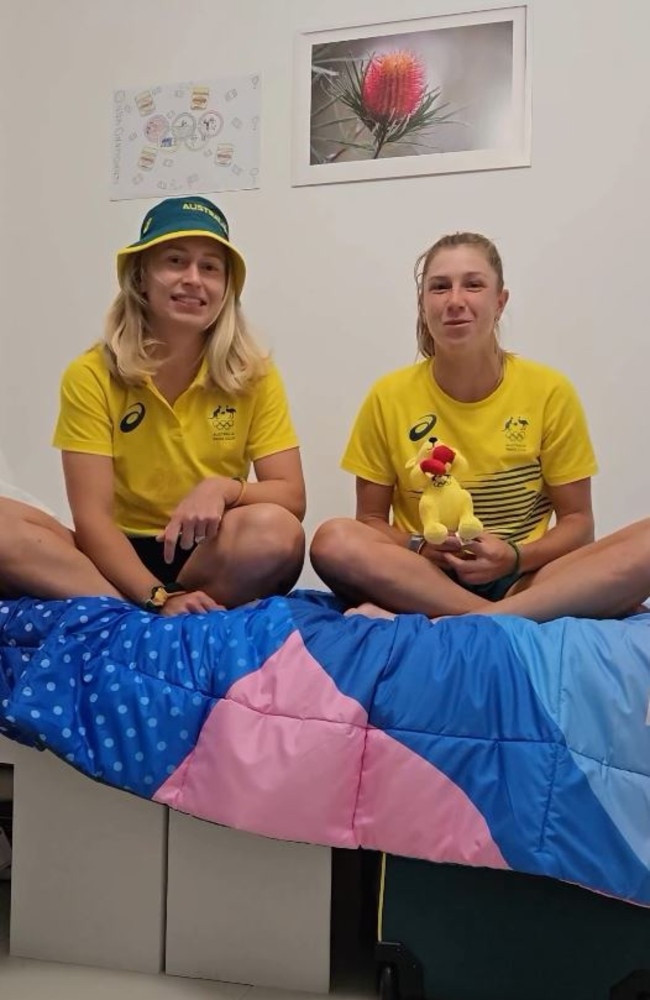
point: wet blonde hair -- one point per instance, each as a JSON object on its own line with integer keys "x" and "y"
{"x": 235, "y": 361}
{"x": 426, "y": 346}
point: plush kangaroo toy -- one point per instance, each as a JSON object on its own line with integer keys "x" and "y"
{"x": 444, "y": 505}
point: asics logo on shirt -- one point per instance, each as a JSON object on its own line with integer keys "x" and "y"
{"x": 132, "y": 418}
{"x": 423, "y": 427}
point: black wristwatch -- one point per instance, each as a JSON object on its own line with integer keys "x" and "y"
{"x": 416, "y": 543}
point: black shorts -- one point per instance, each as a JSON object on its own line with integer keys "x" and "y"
{"x": 496, "y": 590}
{"x": 151, "y": 551}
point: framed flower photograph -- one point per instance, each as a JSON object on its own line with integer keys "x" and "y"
{"x": 425, "y": 96}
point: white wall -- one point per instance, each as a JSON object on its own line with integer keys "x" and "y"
{"x": 330, "y": 267}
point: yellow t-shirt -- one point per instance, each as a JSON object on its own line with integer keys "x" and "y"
{"x": 161, "y": 452}
{"x": 531, "y": 431}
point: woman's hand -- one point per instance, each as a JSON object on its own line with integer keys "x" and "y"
{"x": 437, "y": 554}
{"x": 195, "y": 602}
{"x": 483, "y": 560}
{"x": 198, "y": 516}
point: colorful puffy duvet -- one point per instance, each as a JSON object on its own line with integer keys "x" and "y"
{"x": 492, "y": 742}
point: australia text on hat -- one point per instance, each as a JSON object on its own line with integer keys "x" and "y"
{"x": 195, "y": 206}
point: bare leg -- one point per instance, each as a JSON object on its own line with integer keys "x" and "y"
{"x": 370, "y": 610}
{"x": 38, "y": 557}
{"x": 363, "y": 565}
{"x": 259, "y": 551}
{"x": 606, "y": 579}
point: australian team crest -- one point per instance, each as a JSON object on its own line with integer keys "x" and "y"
{"x": 515, "y": 430}
{"x": 223, "y": 423}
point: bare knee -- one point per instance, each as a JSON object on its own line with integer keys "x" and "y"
{"x": 269, "y": 545}
{"x": 278, "y": 533}
{"x": 259, "y": 552}
{"x": 338, "y": 547}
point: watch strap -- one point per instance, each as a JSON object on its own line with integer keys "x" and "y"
{"x": 416, "y": 543}
{"x": 160, "y": 594}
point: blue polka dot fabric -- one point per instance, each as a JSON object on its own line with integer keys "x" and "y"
{"x": 120, "y": 693}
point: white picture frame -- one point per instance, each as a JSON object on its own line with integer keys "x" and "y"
{"x": 455, "y": 89}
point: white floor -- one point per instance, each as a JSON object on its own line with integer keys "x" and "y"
{"x": 26, "y": 979}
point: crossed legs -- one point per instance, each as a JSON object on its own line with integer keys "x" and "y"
{"x": 259, "y": 551}
{"x": 606, "y": 579}
{"x": 361, "y": 564}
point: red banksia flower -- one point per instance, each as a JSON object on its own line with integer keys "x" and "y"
{"x": 383, "y": 99}
{"x": 393, "y": 87}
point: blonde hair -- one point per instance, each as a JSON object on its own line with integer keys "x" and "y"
{"x": 424, "y": 339}
{"x": 235, "y": 361}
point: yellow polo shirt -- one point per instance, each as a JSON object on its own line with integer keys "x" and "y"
{"x": 161, "y": 452}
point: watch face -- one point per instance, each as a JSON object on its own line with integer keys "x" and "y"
{"x": 415, "y": 541}
{"x": 158, "y": 596}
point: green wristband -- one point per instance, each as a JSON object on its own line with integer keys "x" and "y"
{"x": 517, "y": 551}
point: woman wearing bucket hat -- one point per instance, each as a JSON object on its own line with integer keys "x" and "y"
{"x": 160, "y": 424}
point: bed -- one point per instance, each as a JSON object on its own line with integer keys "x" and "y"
{"x": 486, "y": 742}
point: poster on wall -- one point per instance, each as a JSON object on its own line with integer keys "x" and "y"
{"x": 175, "y": 139}
{"x": 425, "y": 96}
